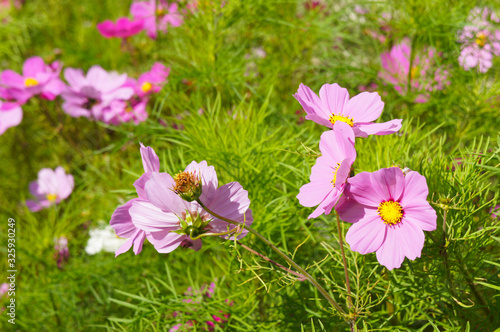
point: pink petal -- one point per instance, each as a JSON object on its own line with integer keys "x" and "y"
{"x": 422, "y": 216}
{"x": 367, "y": 235}
{"x": 389, "y": 183}
{"x": 10, "y": 78}
{"x": 338, "y": 144}
{"x": 168, "y": 242}
{"x": 159, "y": 190}
{"x": 403, "y": 239}
{"x": 313, "y": 105}
{"x": 361, "y": 190}
{"x": 326, "y": 205}
{"x": 33, "y": 66}
{"x": 10, "y": 117}
{"x": 314, "y": 193}
{"x": 365, "y": 107}
{"x": 208, "y": 179}
{"x": 384, "y": 128}
{"x": 416, "y": 189}
{"x": 150, "y": 160}
{"x": 334, "y": 97}
{"x": 149, "y": 218}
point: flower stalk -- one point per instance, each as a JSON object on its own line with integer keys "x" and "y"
{"x": 285, "y": 257}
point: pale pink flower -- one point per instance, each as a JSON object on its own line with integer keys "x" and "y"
{"x": 51, "y": 188}
{"x": 156, "y": 17}
{"x": 423, "y": 74}
{"x": 37, "y": 79}
{"x": 11, "y": 115}
{"x": 329, "y": 174}
{"x": 91, "y": 96}
{"x": 359, "y": 112}
{"x": 173, "y": 221}
{"x": 123, "y": 28}
{"x": 389, "y": 212}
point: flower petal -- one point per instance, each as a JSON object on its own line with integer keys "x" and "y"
{"x": 403, "y": 239}
{"x": 148, "y": 217}
{"x": 367, "y": 235}
{"x": 389, "y": 183}
{"x": 365, "y": 107}
{"x": 384, "y": 128}
{"x": 159, "y": 190}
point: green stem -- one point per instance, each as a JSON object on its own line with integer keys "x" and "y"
{"x": 346, "y": 272}
{"x": 282, "y": 255}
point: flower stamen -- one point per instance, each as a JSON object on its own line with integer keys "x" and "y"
{"x": 146, "y": 86}
{"x": 391, "y": 212}
{"x": 335, "y": 170}
{"x": 334, "y": 118}
{"x": 481, "y": 39}
{"x": 52, "y": 197}
{"x": 29, "y": 82}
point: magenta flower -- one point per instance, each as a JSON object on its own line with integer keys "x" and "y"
{"x": 173, "y": 222}
{"x": 37, "y": 79}
{"x": 11, "y": 115}
{"x": 389, "y": 212}
{"x": 51, "y": 188}
{"x": 329, "y": 174}
{"x": 333, "y": 104}
{"x": 424, "y": 77}
{"x": 123, "y": 28}
{"x": 121, "y": 220}
{"x": 91, "y": 96}
{"x": 151, "y": 81}
{"x": 148, "y": 12}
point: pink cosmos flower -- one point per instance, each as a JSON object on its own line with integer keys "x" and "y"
{"x": 151, "y": 81}
{"x": 11, "y": 115}
{"x": 173, "y": 221}
{"x": 333, "y": 104}
{"x": 123, "y": 28}
{"x": 121, "y": 220}
{"x": 91, "y": 96}
{"x": 389, "y": 212}
{"x": 51, "y": 188}
{"x": 148, "y": 12}
{"x": 424, "y": 77}
{"x": 37, "y": 79}
{"x": 329, "y": 174}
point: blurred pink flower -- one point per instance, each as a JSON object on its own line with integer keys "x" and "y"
{"x": 62, "y": 251}
{"x": 156, "y": 17}
{"x": 151, "y": 81}
{"x": 389, "y": 212}
{"x": 123, "y": 28}
{"x": 424, "y": 77}
{"x": 329, "y": 174}
{"x": 4, "y": 288}
{"x": 495, "y": 210}
{"x": 97, "y": 96}
{"x": 173, "y": 222}
{"x": 480, "y": 41}
{"x": 50, "y": 188}
{"x": 37, "y": 79}
{"x": 121, "y": 221}
{"x": 333, "y": 104}
{"x": 11, "y": 115}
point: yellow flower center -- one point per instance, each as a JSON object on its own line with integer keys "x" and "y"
{"x": 146, "y": 86}
{"x": 334, "y": 118}
{"x": 30, "y": 82}
{"x": 128, "y": 109}
{"x": 414, "y": 72}
{"x": 481, "y": 39}
{"x": 51, "y": 197}
{"x": 335, "y": 174}
{"x": 160, "y": 11}
{"x": 391, "y": 212}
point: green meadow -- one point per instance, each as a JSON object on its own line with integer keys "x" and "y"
{"x": 229, "y": 101}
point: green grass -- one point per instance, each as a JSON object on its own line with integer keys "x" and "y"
{"x": 249, "y": 132}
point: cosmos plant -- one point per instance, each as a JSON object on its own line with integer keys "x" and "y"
{"x": 388, "y": 209}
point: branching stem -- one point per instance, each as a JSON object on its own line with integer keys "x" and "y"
{"x": 285, "y": 257}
